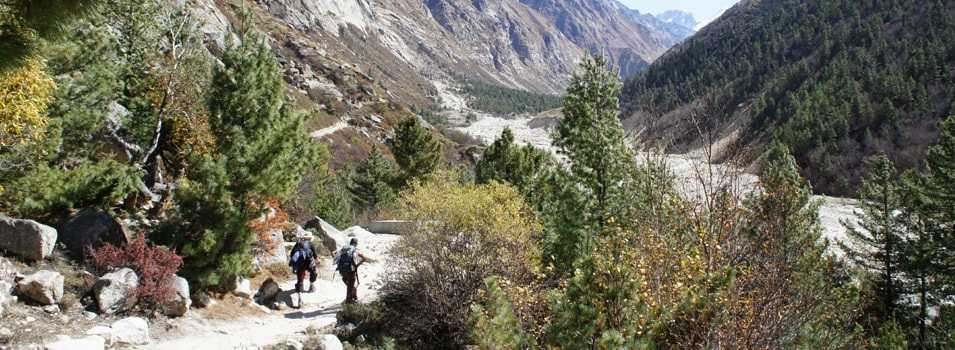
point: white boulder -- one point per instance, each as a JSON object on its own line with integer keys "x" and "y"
{"x": 116, "y": 291}
{"x": 26, "y": 238}
{"x": 243, "y": 288}
{"x": 330, "y": 342}
{"x": 44, "y": 287}
{"x": 129, "y": 331}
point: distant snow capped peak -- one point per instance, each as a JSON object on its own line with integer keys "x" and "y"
{"x": 678, "y": 17}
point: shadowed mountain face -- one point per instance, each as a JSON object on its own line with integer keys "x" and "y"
{"x": 836, "y": 81}
{"x": 406, "y": 44}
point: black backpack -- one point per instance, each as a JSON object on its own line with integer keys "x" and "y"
{"x": 346, "y": 259}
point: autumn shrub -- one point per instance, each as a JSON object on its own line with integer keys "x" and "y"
{"x": 466, "y": 233}
{"x": 156, "y": 267}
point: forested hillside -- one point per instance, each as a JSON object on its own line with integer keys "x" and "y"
{"x": 836, "y": 81}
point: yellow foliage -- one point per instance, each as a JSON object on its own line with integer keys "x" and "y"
{"x": 25, "y": 93}
{"x": 491, "y": 218}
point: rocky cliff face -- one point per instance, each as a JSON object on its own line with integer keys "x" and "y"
{"x": 408, "y": 44}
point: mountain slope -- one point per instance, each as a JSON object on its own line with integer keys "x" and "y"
{"x": 675, "y": 25}
{"x": 835, "y": 80}
{"x": 407, "y": 44}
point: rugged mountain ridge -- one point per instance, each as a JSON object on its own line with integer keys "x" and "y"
{"x": 675, "y": 26}
{"x": 406, "y": 45}
{"x": 837, "y": 81}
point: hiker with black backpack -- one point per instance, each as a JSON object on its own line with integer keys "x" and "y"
{"x": 302, "y": 260}
{"x": 346, "y": 262}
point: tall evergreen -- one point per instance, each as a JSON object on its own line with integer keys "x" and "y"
{"x": 416, "y": 150}
{"x": 875, "y": 244}
{"x": 262, "y": 153}
{"x": 600, "y": 176}
{"x": 23, "y": 23}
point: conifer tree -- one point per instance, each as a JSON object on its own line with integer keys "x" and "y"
{"x": 600, "y": 177}
{"x": 507, "y": 162}
{"x": 416, "y": 150}
{"x": 374, "y": 180}
{"x": 876, "y": 243}
{"x": 495, "y": 324}
{"x": 24, "y": 22}
{"x": 262, "y": 153}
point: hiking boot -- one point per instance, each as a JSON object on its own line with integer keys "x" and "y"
{"x": 311, "y": 289}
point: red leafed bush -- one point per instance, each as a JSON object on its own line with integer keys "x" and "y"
{"x": 155, "y": 266}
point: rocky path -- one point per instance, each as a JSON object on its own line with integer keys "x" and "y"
{"x": 318, "y": 309}
{"x": 321, "y": 133}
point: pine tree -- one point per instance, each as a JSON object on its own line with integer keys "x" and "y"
{"x": 262, "y": 153}
{"x": 601, "y": 175}
{"x": 416, "y": 150}
{"x": 592, "y": 138}
{"x": 504, "y": 161}
{"x": 374, "y": 181}
{"x": 600, "y": 308}
{"x": 938, "y": 194}
{"x": 495, "y": 324}
{"x": 876, "y": 243}
{"x": 23, "y": 23}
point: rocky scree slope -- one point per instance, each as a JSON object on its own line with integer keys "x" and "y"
{"x": 836, "y": 81}
{"x": 406, "y": 44}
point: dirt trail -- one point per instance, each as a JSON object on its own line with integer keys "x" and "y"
{"x": 318, "y": 308}
{"x": 321, "y": 133}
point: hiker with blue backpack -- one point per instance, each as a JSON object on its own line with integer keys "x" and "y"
{"x": 346, "y": 262}
{"x": 302, "y": 260}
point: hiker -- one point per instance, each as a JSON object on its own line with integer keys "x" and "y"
{"x": 302, "y": 260}
{"x": 347, "y": 264}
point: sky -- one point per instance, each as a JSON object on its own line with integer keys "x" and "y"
{"x": 703, "y": 10}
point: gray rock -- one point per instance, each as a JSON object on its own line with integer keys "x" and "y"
{"x": 129, "y": 331}
{"x": 330, "y": 342}
{"x": 44, "y": 287}
{"x": 89, "y": 315}
{"x": 91, "y": 228}
{"x": 276, "y": 255}
{"x": 92, "y": 342}
{"x": 27, "y": 239}
{"x": 392, "y": 227}
{"x": 268, "y": 292}
{"x": 242, "y": 288}
{"x": 5, "y": 297}
{"x": 181, "y": 302}
{"x": 326, "y": 234}
{"x": 115, "y": 291}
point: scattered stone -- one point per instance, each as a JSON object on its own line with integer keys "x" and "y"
{"x": 268, "y": 292}
{"x": 5, "y": 335}
{"x": 89, "y": 315}
{"x": 330, "y": 342}
{"x": 115, "y": 291}
{"x": 44, "y": 287}
{"x": 130, "y": 331}
{"x": 91, "y": 228}
{"x": 180, "y": 303}
{"x": 88, "y": 343}
{"x": 293, "y": 344}
{"x": 52, "y": 309}
{"x": 278, "y": 306}
{"x": 26, "y": 238}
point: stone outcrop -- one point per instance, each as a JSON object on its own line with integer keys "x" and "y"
{"x": 91, "y": 228}
{"x": 330, "y": 342}
{"x": 116, "y": 291}
{"x": 326, "y": 235}
{"x": 43, "y": 287}
{"x": 391, "y": 227}
{"x": 27, "y": 239}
